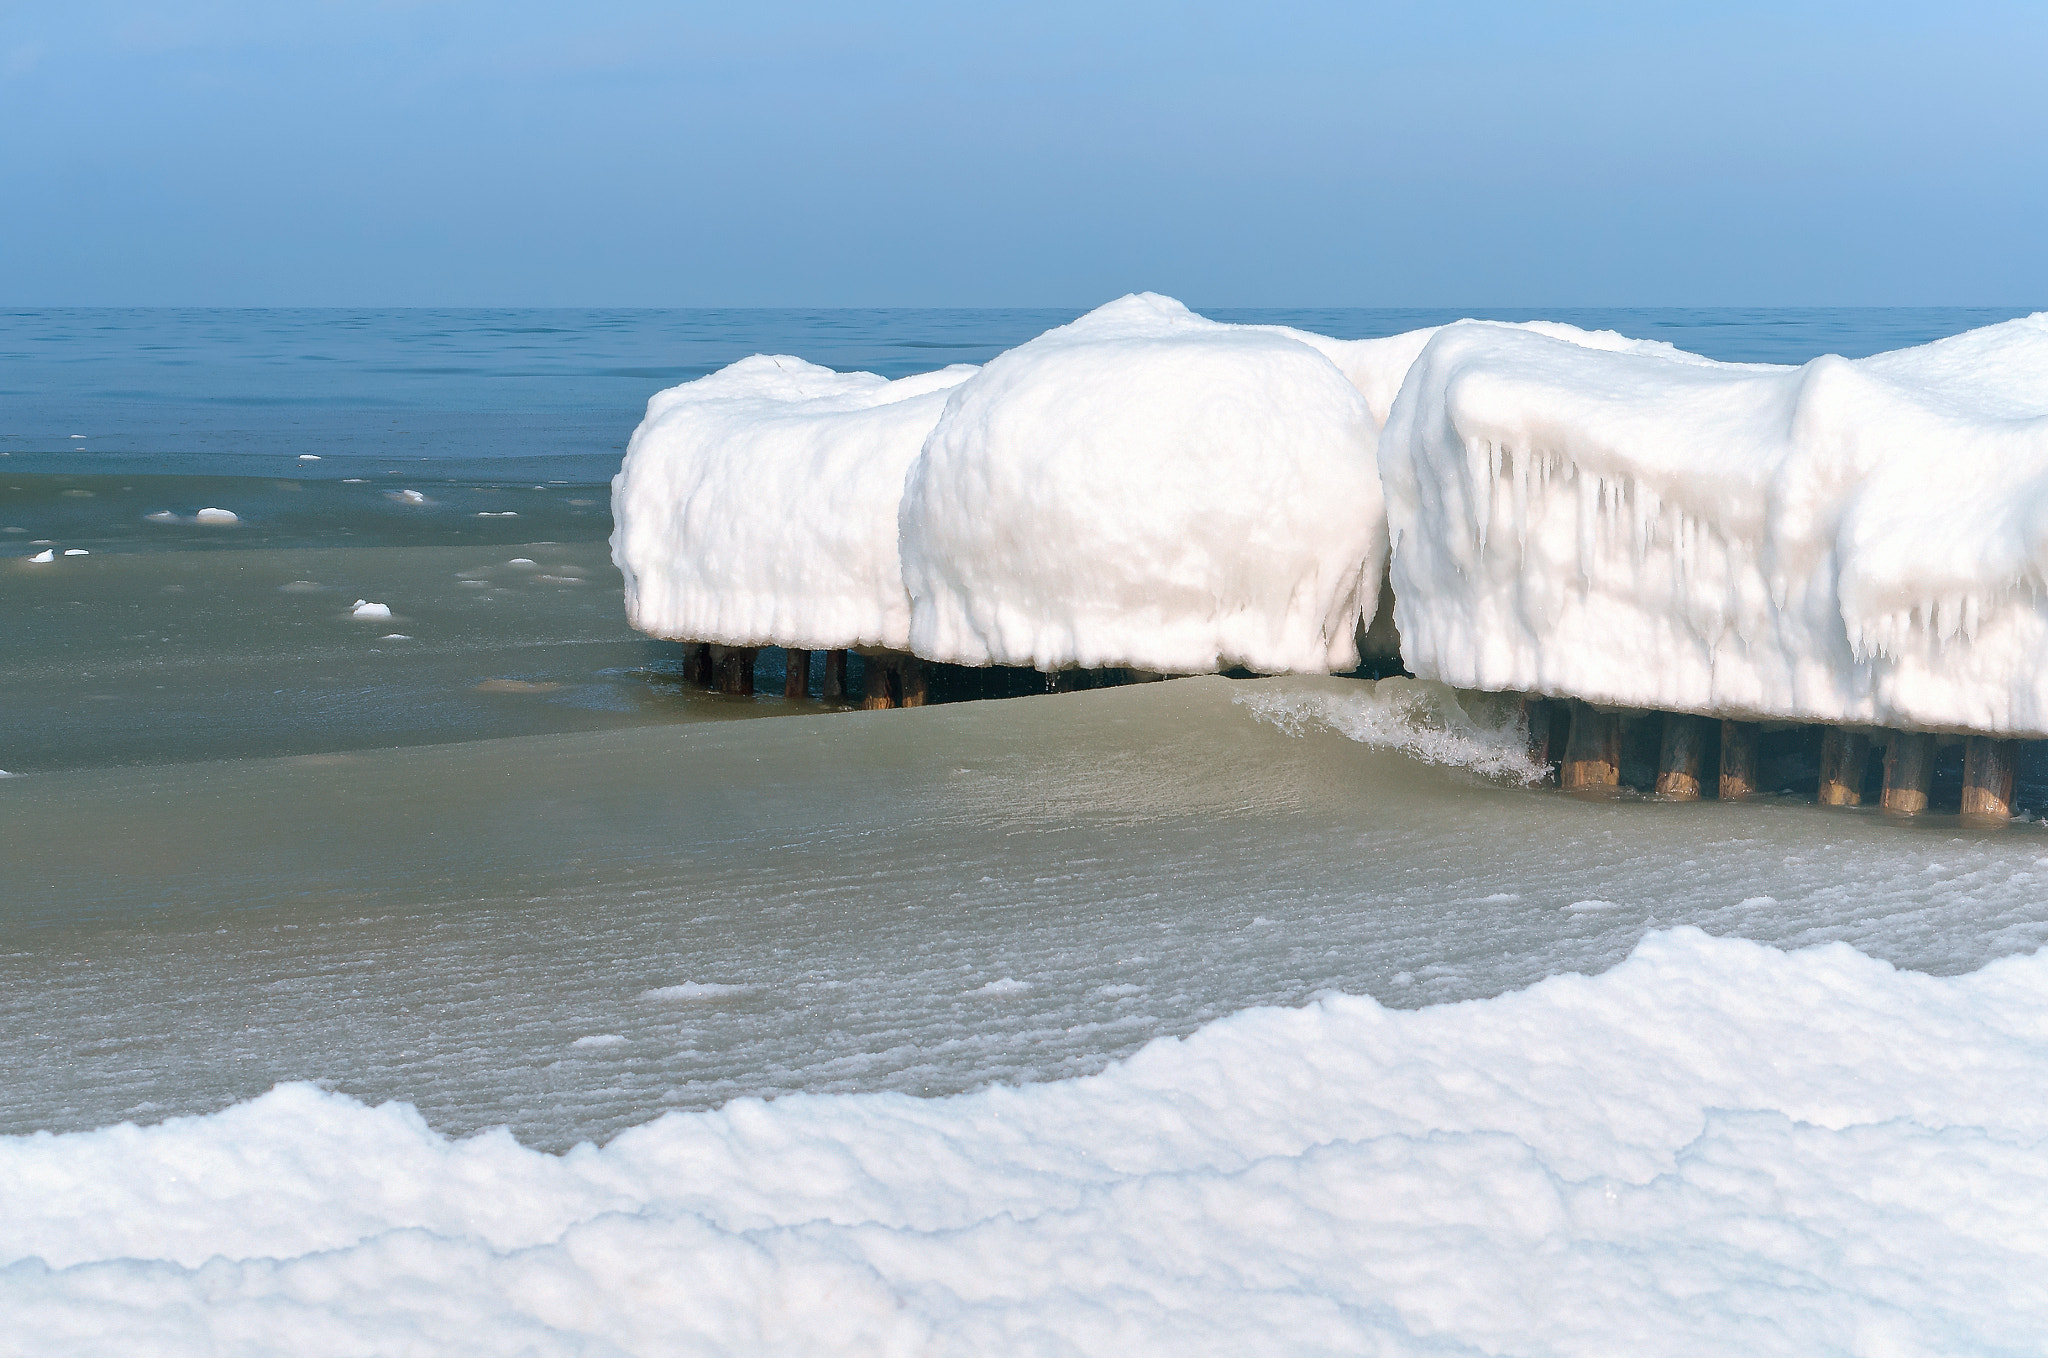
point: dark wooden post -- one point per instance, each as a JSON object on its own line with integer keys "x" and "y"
{"x": 1678, "y": 760}
{"x": 1536, "y": 712}
{"x": 879, "y": 688}
{"x": 1592, "y": 754}
{"x": 913, "y": 682}
{"x": 1843, "y": 753}
{"x": 833, "y": 687}
{"x": 1988, "y": 766}
{"x": 1908, "y": 769}
{"x": 796, "y": 674}
{"x": 1738, "y": 759}
{"x": 735, "y": 669}
{"x": 697, "y": 664}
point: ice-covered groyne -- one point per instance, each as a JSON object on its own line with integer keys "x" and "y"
{"x": 1143, "y": 488}
{"x": 1860, "y": 543}
{"x": 1559, "y": 513}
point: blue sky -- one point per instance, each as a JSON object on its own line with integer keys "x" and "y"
{"x": 810, "y": 154}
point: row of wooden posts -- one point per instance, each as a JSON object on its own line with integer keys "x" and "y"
{"x": 888, "y": 678}
{"x": 1583, "y": 742}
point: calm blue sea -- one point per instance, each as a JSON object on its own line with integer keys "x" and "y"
{"x": 553, "y": 394}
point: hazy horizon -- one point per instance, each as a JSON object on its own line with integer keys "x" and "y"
{"x": 448, "y": 154}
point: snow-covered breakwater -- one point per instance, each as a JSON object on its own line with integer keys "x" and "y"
{"x": 1638, "y": 1162}
{"x": 1559, "y": 513}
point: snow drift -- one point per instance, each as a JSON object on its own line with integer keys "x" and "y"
{"x": 1847, "y": 541}
{"x": 758, "y": 505}
{"x": 1635, "y": 1163}
{"x": 1145, "y": 487}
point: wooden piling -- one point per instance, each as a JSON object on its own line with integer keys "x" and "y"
{"x": 894, "y": 679}
{"x": 733, "y": 669}
{"x": 1988, "y": 767}
{"x": 1908, "y": 769}
{"x": 796, "y": 674}
{"x": 1592, "y": 754}
{"x": 833, "y": 687}
{"x": 1844, "y": 751}
{"x": 1546, "y": 742}
{"x": 1678, "y": 757}
{"x": 1738, "y": 759}
{"x": 697, "y": 664}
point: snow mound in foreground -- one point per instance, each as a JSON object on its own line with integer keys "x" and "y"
{"x": 758, "y": 505}
{"x": 1846, "y": 541}
{"x": 1714, "y": 1148}
{"x": 1146, "y": 487}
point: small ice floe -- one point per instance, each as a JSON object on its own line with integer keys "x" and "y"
{"x": 394, "y": 636}
{"x": 1009, "y": 985}
{"x": 406, "y": 497}
{"x": 1590, "y": 907}
{"x": 5, "y": 774}
{"x": 309, "y": 457}
{"x": 161, "y": 516}
{"x": 497, "y": 513}
{"x": 76, "y": 551}
{"x": 693, "y": 990}
{"x": 363, "y": 608}
{"x": 44, "y": 555}
{"x": 78, "y": 436}
{"x": 210, "y": 514}
{"x": 520, "y": 561}
{"x": 600, "y": 1040}
{"x": 355, "y": 480}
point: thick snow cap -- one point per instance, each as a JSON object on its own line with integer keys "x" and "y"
{"x": 1145, "y": 487}
{"x": 1861, "y": 542}
{"x": 758, "y": 505}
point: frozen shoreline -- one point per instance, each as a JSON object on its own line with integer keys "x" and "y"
{"x": 1636, "y": 1161}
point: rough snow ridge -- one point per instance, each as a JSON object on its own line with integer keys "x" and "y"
{"x": 1632, "y": 1163}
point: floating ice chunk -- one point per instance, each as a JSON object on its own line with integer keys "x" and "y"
{"x": 213, "y": 515}
{"x": 309, "y": 457}
{"x": 363, "y": 608}
{"x": 1146, "y": 487}
{"x": 759, "y": 504}
{"x": 76, "y": 551}
{"x": 600, "y": 1040}
{"x": 1594, "y": 907}
{"x": 1859, "y": 542}
{"x": 394, "y": 636}
{"x": 78, "y": 436}
{"x": 694, "y": 990}
{"x": 1008, "y": 985}
{"x": 45, "y": 555}
{"x": 161, "y": 516}
{"x": 406, "y": 497}
{"x": 520, "y": 561}
{"x": 497, "y": 514}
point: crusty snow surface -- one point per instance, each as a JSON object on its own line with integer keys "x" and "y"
{"x": 1715, "y": 1147}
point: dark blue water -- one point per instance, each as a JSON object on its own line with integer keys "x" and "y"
{"x": 541, "y": 395}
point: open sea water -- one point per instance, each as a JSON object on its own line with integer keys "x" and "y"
{"x": 487, "y": 856}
